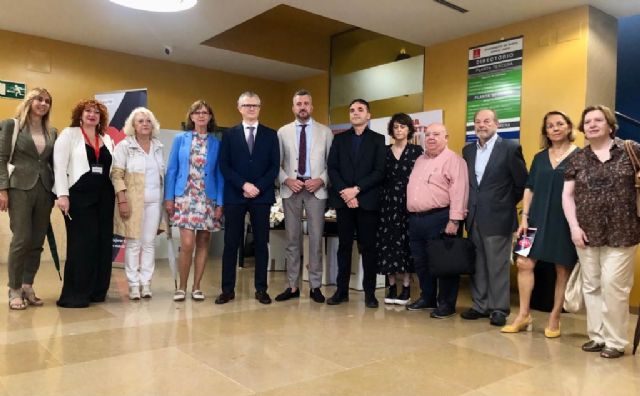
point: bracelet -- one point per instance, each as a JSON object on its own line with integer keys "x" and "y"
{"x": 121, "y": 202}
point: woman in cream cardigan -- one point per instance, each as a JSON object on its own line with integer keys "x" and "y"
{"x": 137, "y": 175}
{"x": 82, "y": 159}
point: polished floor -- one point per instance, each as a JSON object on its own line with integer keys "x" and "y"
{"x": 298, "y": 347}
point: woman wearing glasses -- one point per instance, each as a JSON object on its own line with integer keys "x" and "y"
{"x": 193, "y": 193}
{"x": 599, "y": 201}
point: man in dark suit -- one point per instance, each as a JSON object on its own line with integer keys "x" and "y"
{"x": 356, "y": 171}
{"x": 497, "y": 175}
{"x": 249, "y": 161}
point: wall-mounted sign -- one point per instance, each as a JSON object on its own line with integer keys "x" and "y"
{"x": 495, "y": 82}
{"x": 13, "y": 90}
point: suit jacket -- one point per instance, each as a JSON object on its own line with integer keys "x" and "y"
{"x": 365, "y": 171}
{"x": 29, "y": 164}
{"x": 492, "y": 204}
{"x": 238, "y": 166}
{"x": 318, "y": 155}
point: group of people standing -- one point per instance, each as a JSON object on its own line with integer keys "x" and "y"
{"x": 394, "y": 200}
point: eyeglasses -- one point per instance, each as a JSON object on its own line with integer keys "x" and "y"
{"x": 250, "y": 106}
{"x": 199, "y": 113}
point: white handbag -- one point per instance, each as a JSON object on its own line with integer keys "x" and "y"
{"x": 14, "y": 138}
{"x": 573, "y": 299}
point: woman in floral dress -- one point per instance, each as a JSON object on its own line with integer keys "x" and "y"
{"x": 394, "y": 255}
{"x": 193, "y": 194}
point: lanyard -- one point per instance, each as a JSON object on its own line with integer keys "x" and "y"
{"x": 95, "y": 148}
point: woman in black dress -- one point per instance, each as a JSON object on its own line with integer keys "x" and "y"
{"x": 394, "y": 255}
{"x": 542, "y": 209}
{"x": 81, "y": 164}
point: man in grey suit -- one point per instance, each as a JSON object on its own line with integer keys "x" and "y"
{"x": 304, "y": 148}
{"x": 497, "y": 175}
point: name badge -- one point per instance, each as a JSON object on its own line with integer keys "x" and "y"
{"x": 96, "y": 169}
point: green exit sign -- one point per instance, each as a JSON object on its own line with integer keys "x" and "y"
{"x": 14, "y": 90}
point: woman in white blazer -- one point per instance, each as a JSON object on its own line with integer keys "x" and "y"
{"x": 82, "y": 159}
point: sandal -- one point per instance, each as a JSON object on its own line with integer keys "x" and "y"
{"x": 29, "y": 295}
{"x": 197, "y": 295}
{"x": 611, "y": 353}
{"x": 16, "y": 302}
{"x": 179, "y": 295}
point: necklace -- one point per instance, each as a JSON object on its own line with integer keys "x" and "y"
{"x": 557, "y": 158}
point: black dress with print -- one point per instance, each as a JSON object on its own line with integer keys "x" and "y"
{"x": 392, "y": 245}
{"x": 87, "y": 271}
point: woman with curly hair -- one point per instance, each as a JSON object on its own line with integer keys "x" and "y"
{"x": 82, "y": 162}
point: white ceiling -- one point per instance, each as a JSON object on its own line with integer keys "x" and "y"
{"x": 102, "y": 24}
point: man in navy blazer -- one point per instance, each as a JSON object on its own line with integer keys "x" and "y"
{"x": 249, "y": 162}
{"x": 497, "y": 176}
{"x": 356, "y": 171}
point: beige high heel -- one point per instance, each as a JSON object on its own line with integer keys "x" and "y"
{"x": 526, "y": 324}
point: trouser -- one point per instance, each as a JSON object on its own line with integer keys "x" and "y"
{"x": 29, "y": 217}
{"x": 140, "y": 253}
{"x": 441, "y": 291}
{"x": 490, "y": 283}
{"x": 233, "y": 237}
{"x": 607, "y": 276}
{"x": 314, "y": 209}
{"x": 365, "y": 223}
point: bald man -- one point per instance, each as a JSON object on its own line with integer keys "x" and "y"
{"x": 437, "y": 196}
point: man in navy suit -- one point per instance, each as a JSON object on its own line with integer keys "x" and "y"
{"x": 497, "y": 175}
{"x": 356, "y": 171}
{"x": 249, "y": 162}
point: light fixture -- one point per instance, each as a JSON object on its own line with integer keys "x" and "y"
{"x": 157, "y": 5}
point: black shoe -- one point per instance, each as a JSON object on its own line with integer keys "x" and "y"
{"x": 472, "y": 314}
{"x": 498, "y": 319}
{"x": 442, "y": 313}
{"x": 405, "y": 295}
{"x": 263, "y": 297}
{"x": 420, "y": 305}
{"x": 371, "y": 301}
{"x": 316, "y": 295}
{"x": 225, "y": 297}
{"x": 592, "y": 346}
{"x": 287, "y": 294}
{"x": 392, "y": 294}
{"x": 338, "y": 298}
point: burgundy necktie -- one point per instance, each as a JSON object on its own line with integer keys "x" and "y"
{"x": 302, "y": 155}
{"x": 251, "y": 139}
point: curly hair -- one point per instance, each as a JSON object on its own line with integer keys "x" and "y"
{"x": 190, "y": 125}
{"x": 76, "y": 114}
{"x": 23, "y": 111}
{"x": 129, "y": 128}
{"x": 402, "y": 119}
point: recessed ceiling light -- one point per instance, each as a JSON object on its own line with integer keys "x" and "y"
{"x": 157, "y": 5}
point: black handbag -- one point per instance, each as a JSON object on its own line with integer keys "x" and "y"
{"x": 451, "y": 255}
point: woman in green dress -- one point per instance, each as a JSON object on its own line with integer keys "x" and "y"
{"x": 542, "y": 209}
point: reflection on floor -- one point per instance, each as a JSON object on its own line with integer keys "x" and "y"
{"x": 298, "y": 347}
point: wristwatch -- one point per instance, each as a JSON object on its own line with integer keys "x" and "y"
{"x": 456, "y": 222}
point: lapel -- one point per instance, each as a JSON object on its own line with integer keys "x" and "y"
{"x": 471, "y": 164}
{"x": 493, "y": 158}
{"x": 28, "y": 142}
{"x": 243, "y": 141}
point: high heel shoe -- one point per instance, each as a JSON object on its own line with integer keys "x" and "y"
{"x": 526, "y": 324}
{"x": 29, "y": 295}
{"x": 549, "y": 333}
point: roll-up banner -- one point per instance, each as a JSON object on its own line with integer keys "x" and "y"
{"x": 120, "y": 104}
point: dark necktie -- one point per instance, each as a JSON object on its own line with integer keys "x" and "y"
{"x": 251, "y": 139}
{"x": 302, "y": 154}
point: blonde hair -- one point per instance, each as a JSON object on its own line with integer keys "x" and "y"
{"x": 23, "y": 111}
{"x": 129, "y": 128}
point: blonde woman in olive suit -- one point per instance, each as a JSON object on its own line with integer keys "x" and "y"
{"x": 137, "y": 175}
{"x": 26, "y": 194}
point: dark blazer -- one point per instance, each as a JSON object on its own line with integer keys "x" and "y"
{"x": 492, "y": 204}
{"x": 238, "y": 166}
{"x": 366, "y": 171}
{"x": 29, "y": 165}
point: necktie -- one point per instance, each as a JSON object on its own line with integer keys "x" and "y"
{"x": 302, "y": 151}
{"x": 251, "y": 139}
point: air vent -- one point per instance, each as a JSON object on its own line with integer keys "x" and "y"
{"x": 452, "y": 6}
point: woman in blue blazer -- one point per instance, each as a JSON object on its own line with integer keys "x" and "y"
{"x": 193, "y": 194}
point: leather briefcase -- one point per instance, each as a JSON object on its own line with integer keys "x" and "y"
{"x": 451, "y": 255}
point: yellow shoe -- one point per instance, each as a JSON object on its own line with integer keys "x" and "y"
{"x": 527, "y": 325}
{"x": 552, "y": 333}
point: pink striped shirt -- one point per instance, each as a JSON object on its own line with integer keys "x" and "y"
{"x": 439, "y": 182}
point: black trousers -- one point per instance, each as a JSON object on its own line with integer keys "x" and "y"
{"x": 87, "y": 271}
{"x": 442, "y": 291}
{"x": 234, "y": 215}
{"x": 365, "y": 223}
